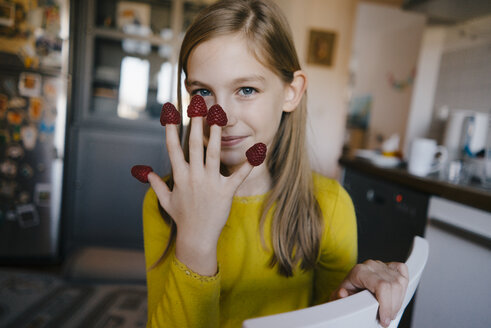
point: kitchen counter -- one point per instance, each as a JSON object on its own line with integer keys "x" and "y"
{"x": 471, "y": 195}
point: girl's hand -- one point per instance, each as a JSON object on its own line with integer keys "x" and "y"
{"x": 388, "y": 282}
{"x": 201, "y": 198}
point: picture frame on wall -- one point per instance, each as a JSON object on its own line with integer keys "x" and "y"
{"x": 321, "y": 47}
{"x": 7, "y": 14}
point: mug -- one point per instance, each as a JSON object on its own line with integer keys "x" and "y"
{"x": 423, "y": 158}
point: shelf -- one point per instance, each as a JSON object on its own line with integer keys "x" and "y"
{"x": 113, "y": 34}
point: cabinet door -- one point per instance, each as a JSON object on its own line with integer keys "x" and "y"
{"x": 107, "y": 200}
{"x": 388, "y": 216}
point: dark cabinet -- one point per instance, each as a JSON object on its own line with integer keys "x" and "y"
{"x": 124, "y": 69}
{"x": 388, "y": 217}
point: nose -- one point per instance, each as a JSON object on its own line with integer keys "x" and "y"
{"x": 228, "y": 108}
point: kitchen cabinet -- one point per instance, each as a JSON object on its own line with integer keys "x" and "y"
{"x": 454, "y": 219}
{"x": 388, "y": 215}
{"x": 454, "y": 289}
{"x": 124, "y": 69}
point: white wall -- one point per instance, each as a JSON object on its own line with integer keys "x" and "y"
{"x": 386, "y": 41}
{"x": 327, "y": 91}
{"x": 421, "y": 109}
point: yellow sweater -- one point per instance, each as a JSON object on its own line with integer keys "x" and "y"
{"x": 245, "y": 286}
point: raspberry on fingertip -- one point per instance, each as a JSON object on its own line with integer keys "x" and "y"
{"x": 141, "y": 172}
{"x": 256, "y": 154}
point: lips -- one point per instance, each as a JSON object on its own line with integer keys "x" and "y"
{"x": 228, "y": 141}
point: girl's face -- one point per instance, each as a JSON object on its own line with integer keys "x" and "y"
{"x": 223, "y": 71}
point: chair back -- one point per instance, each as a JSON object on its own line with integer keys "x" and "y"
{"x": 355, "y": 311}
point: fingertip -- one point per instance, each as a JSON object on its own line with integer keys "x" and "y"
{"x": 343, "y": 293}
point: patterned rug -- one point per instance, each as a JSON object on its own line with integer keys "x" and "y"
{"x": 30, "y": 300}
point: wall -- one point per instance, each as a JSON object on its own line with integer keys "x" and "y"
{"x": 456, "y": 75}
{"x": 421, "y": 109}
{"x": 465, "y": 72}
{"x": 386, "y": 42}
{"x": 327, "y": 89}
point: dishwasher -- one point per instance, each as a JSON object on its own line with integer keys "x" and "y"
{"x": 455, "y": 288}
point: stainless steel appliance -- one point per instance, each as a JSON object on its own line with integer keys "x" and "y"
{"x": 465, "y": 133}
{"x": 33, "y": 102}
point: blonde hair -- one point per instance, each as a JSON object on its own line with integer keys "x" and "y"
{"x": 296, "y": 225}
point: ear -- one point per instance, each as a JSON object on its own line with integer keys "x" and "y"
{"x": 295, "y": 91}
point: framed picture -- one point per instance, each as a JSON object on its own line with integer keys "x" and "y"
{"x": 7, "y": 14}
{"x": 321, "y": 47}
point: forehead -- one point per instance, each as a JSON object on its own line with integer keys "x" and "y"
{"x": 225, "y": 56}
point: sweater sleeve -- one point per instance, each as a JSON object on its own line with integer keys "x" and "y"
{"x": 177, "y": 296}
{"x": 339, "y": 249}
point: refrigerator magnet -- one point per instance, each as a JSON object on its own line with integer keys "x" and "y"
{"x": 42, "y": 194}
{"x": 26, "y": 171}
{"x": 27, "y": 216}
{"x": 46, "y": 127}
{"x": 4, "y": 101}
{"x": 14, "y": 151}
{"x": 50, "y": 89}
{"x": 10, "y": 215}
{"x": 15, "y": 117}
{"x": 35, "y": 109}
{"x": 29, "y": 135}
{"x": 8, "y": 168}
{"x": 24, "y": 197}
{"x": 4, "y": 137}
{"x": 30, "y": 85}
{"x": 8, "y": 188}
{"x": 17, "y": 103}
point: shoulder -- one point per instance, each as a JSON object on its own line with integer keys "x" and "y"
{"x": 329, "y": 193}
{"x": 337, "y": 210}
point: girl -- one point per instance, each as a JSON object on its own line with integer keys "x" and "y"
{"x": 226, "y": 241}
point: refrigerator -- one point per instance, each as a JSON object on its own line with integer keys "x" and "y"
{"x": 34, "y": 84}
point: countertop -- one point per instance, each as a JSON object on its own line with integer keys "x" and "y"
{"x": 471, "y": 195}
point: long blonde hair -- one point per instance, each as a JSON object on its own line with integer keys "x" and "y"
{"x": 296, "y": 225}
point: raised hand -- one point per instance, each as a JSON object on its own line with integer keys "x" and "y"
{"x": 201, "y": 198}
{"x": 387, "y": 281}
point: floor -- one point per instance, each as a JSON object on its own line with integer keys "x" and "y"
{"x": 43, "y": 299}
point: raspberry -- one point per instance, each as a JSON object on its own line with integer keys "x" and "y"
{"x": 141, "y": 172}
{"x": 256, "y": 154}
{"x": 197, "y": 107}
{"x": 169, "y": 115}
{"x": 217, "y": 116}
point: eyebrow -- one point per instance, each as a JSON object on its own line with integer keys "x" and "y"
{"x": 240, "y": 80}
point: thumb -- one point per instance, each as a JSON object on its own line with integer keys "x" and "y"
{"x": 240, "y": 175}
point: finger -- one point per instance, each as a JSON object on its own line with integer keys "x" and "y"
{"x": 160, "y": 187}
{"x": 213, "y": 149}
{"x": 339, "y": 293}
{"x": 240, "y": 175}
{"x": 196, "y": 142}
{"x": 401, "y": 280}
{"x": 383, "y": 294}
{"x": 174, "y": 148}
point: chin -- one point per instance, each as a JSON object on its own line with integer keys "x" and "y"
{"x": 230, "y": 160}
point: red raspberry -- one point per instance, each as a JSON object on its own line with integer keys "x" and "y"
{"x": 217, "y": 116}
{"x": 169, "y": 115}
{"x": 197, "y": 107}
{"x": 141, "y": 172}
{"x": 256, "y": 154}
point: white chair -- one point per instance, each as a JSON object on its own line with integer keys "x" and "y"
{"x": 358, "y": 310}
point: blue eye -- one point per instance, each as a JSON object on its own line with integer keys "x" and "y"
{"x": 202, "y": 92}
{"x": 247, "y": 91}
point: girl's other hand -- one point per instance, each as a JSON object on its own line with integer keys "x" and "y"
{"x": 201, "y": 198}
{"x": 388, "y": 282}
